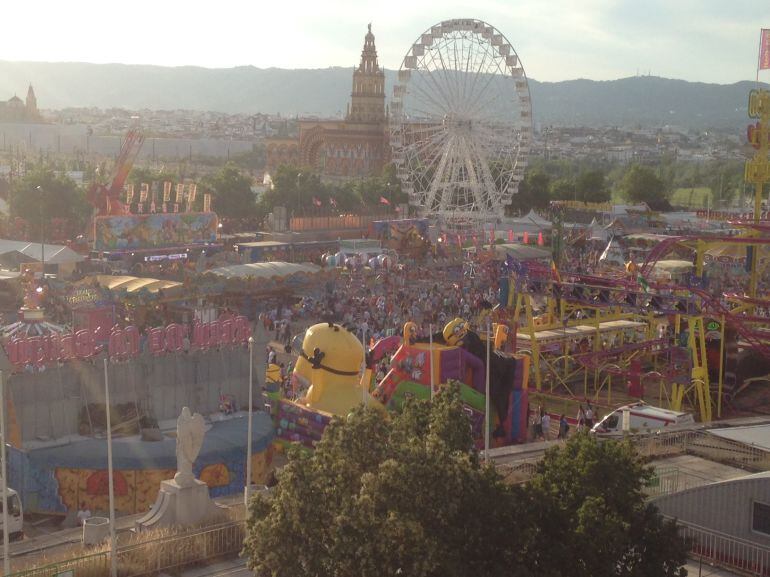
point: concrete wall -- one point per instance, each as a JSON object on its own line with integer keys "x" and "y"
{"x": 48, "y": 404}
{"x": 725, "y": 507}
{"x": 70, "y": 139}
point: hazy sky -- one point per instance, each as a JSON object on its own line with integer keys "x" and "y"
{"x": 703, "y": 40}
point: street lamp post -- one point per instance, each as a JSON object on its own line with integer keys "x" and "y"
{"x": 42, "y": 234}
{"x": 251, "y": 409}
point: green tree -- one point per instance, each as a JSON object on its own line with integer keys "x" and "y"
{"x": 563, "y": 189}
{"x": 592, "y": 506}
{"x": 380, "y": 496}
{"x": 591, "y": 186}
{"x": 231, "y": 192}
{"x": 140, "y": 175}
{"x": 42, "y": 196}
{"x": 533, "y": 192}
{"x": 641, "y": 184}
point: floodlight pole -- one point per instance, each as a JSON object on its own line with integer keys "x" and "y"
{"x": 251, "y": 413}
{"x": 487, "y": 420}
{"x": 111, "y": 483}
{"x": 6, "y": 550}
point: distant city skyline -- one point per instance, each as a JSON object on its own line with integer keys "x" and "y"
{"x": 696, "y": 40}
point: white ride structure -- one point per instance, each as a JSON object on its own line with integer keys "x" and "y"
{"x": 461, "y": 122}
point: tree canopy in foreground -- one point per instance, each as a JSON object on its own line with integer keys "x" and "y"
{"x": 407, "y": 495}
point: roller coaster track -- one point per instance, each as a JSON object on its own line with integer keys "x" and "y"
{"x": 711, "y": 305}
{"x": 714, "y": 307}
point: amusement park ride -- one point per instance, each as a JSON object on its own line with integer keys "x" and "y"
{"x": 691, "y": 342}
{"x": 106, "y": 197}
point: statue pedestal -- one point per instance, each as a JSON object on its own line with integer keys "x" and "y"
{"x": 179, "y": 505}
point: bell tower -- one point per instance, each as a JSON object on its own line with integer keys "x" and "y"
{"x": 368, "y": 96}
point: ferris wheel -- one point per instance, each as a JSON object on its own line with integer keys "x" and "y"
{"x": 461, "y": 122}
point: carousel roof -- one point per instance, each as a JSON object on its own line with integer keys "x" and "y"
{"x": 132, "y": 284}
{"x": 264, "y": 270}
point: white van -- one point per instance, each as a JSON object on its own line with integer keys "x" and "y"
{"x": 642, "y": 418}
{"x": 15, "y": 516}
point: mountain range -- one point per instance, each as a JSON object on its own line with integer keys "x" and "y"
{"x": 646, "y": 101}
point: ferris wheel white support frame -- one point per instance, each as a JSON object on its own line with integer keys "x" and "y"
{"x": 443, "y": 148}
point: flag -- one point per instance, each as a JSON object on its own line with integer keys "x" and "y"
{"x": 316, "y": 201}
{"x": 525, "y": 238}
{"x": 555, "y": 272}
{"x": 384, "y": 200}
{"x": 510, "y": 235}
{"x": 764, "y": 49}
{"x": 513, "y": 264}
{"x": 540, "y": 241}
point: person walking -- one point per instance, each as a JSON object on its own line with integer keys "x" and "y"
{"x": 581, "y": 418}
{"x": 589, "y": 413}
{"x": 84, "y": 513}
{"x": 563, "y": 427}
{"x": 538, "y": 422}
{"x": 545, "y": 423}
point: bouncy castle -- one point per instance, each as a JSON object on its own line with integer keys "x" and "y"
{"x": 419, "y": 367}
{"x": 332, "y": 368}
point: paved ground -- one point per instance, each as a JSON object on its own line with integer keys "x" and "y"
{"x": 237, "y": 568}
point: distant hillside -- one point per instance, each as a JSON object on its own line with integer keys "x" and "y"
{"x": 648, "y": 101}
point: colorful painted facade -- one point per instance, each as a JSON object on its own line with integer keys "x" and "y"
{"x": 56, "y": 480}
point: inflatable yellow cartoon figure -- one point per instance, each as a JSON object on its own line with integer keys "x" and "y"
{"x": 330, "y": 362}
{"x": 455, "y": 331}
{"x": 410, "y": 333}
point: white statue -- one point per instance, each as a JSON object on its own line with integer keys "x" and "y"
{"x": 189, "y": 438}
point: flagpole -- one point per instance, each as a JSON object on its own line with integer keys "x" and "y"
{"x": 759, "y": 53}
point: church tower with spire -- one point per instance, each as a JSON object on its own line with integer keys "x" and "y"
{"x": 367, "y": 104}
{"x": 31, "y": 103}
{"x": 341, "y": 149}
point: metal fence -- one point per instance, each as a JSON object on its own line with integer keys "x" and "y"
{"x": 669, "y": 480}
{"x": 154, "y": 555}
{"x": 94, "y": 565}
{"x": 180, "y": 550}
{"x": 702, "y": 444}
{"x": 726, "y": 551}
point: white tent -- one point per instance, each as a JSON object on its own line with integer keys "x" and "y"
{"x": 530, "y": 223}
{"x": 534, "y": 219}
{"x": 264, "y": 270}
{"x": 54, "y": 253}
{"x": 613, "y": 254}
{"x": 597, "y": 232}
